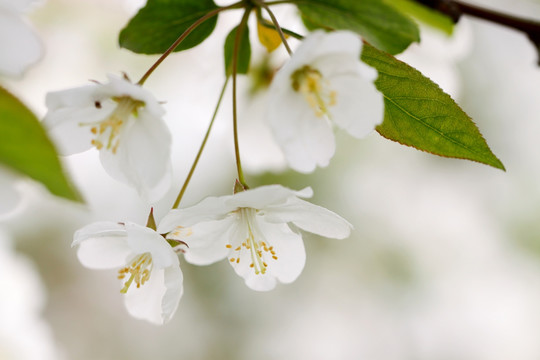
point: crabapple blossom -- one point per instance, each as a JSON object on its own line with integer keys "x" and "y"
{"x": 323, "y": 84}
{"x": 147, "y": 265}
{"x": 121, "y": 120}
{"x": 257, "y": 230}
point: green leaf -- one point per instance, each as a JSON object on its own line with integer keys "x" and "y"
{"x": 380, "y": 24}
{"x": 424, "y": 14}
{"x": 25, "y": 147}
{"x": 244, "y": 52}
{"x": 161, "y": 22}
{"x": 419, "y": 114}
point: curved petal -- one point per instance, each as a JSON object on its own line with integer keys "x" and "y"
{"x": 210, "y": 208}
{"x": 173, "y": 279}
{"x": 102, "y": 245}
{"x": 289, "y": 249}
{"x": 21, "y": 48}
{"x": 143, "y": 156}
{"x": 119, "y": 86}
{"x": 307, "y": 140}
{"x": 71, "y": 116}
{"x": 142, "y": 239}
{"x": 260, "y": 197}
{"x": 208, "y": 240}
{"x": 241, "y": 263}
{"x": 99, "y": 229}
{"x": 146, "y": 302}
{"x": 322, "y": 43}
{"x": 309, "y": 217}
{"x": 359, "y": 105}
{"x": 260, "y": 282}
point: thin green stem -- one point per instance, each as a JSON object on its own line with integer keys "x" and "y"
{"x": 286, "y": 31}
{"x": 188, "y": 31}
{"x": 278, "y": 28}
{"x": 201, "y": 148}
{"x": 237, "y": 40}
{"x": 280, "y": 2}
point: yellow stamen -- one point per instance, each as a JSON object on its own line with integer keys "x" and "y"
{"x": 310, "y": 83}
{"x": 140, "y": 269}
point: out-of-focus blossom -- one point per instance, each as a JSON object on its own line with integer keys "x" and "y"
{"x": 257, "y": 230}
{"x": 324, "y": 83}
{"x": 148, "y": 266}
{"x": 124, "y": 122}
{"x": 19, "y": 45}
{"x": 23, "y": 334}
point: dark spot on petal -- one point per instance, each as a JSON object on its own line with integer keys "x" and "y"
{"x": 97, "y": 104}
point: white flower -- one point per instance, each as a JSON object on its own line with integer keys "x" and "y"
{"x": 19, "y": 46}
{"x": 124, "y": 122}
{"x": 256, "y": 230}
{"x": 324, "y": 83}
{"x": 146, "y": 263}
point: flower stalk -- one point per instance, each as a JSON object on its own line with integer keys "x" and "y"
{"x": 181, "y": 38}
{"x": 238, "y": 37}
{"x": 201, "y": 148}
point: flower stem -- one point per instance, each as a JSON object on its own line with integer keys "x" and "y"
{"x": 286, "y": 31}
{"x": 274, "y": 20}
{"x": 181, "y": 38}
{"x": 237, "y": 40}
{"x": 201, "y": 148}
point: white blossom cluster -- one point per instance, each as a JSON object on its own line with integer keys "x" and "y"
{"x": 258, "y": 231}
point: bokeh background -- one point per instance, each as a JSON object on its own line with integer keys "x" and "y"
{"x": 443, "y": 264}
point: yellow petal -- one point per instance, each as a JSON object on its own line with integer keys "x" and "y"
{"x": 268, "y": 37}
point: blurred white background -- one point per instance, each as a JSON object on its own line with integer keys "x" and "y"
{"x": 444, "y": 262}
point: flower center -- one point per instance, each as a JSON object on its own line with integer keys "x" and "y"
{"x": 310, "y": 83}
{"x": 106, "y": 132}
{"x": 255, "y": 244}
{"x": 139, "y": 269}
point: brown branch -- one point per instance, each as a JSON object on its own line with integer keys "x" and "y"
{"x": 455, "y": 9}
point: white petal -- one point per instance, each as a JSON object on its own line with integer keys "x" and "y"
{"x": 71, "y": 115}
{"x": 119, "y": 86}
{"x": 346, "y": 43}
{"x": 142, "y": 240}
{"x": 207, "y": 241}
{"x": 289, "y": 248}
{"x": 307, "y": 140}
{"x": 143, "y": 156}
{"x": 210, "y": 208}
{"x": 359, "y": 105}
{"x": 258, "y": 282}
{"x": 102, "y": 245}
{"x": 260, "y": 197}
{"x": 173, "y": 279}
{"x": 20, "y": 46}
{"x": 145, "y": 302}
{"x": 309, "y": 217}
